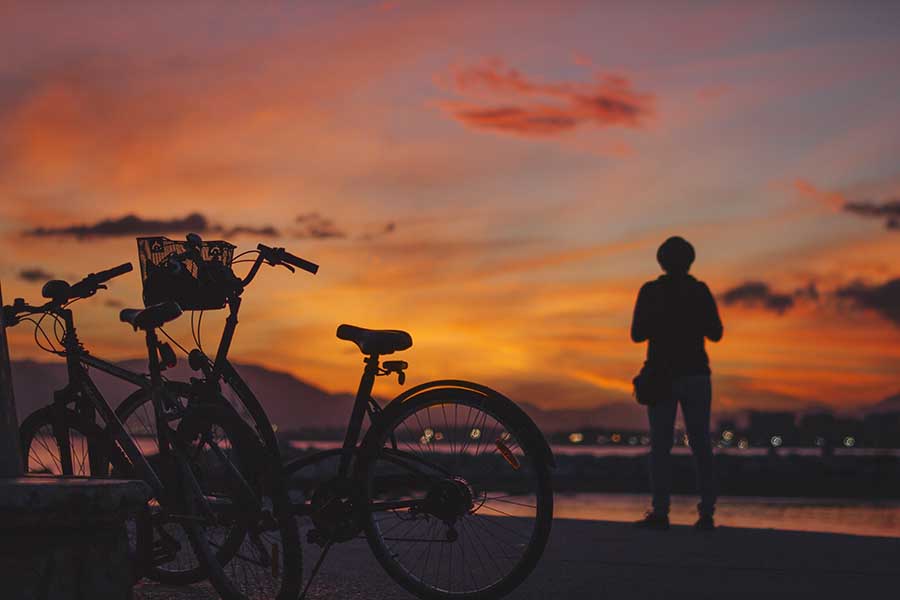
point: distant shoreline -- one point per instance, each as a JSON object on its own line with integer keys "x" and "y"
{"x": 847, "y": 474}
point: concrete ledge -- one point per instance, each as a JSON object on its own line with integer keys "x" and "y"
{"x": 65, "y": 538}
{"x": 54, "y": 502}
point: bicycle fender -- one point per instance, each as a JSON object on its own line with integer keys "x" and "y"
{"x": 522, "y": 420}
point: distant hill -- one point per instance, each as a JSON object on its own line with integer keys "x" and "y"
{"x": 293, "y": 404}
{"x": 289, "y": 402}
{"x": 889, "y": 404}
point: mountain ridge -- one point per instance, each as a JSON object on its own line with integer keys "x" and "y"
{"x": 293, "y": 403}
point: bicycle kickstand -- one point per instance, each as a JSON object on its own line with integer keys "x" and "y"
{"x": 316, "y": 567}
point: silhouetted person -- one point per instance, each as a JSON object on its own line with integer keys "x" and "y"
{"x": 676, "y": 312}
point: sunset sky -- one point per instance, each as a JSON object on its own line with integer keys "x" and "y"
{"x": 494, "y": 178}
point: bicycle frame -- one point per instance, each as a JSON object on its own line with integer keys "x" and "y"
{"x": 81, "y": 387}
{"x": 222, "y": 370}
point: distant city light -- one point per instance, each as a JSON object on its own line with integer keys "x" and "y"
{"x": 776, "y": 441}
{"x": 645, "y": 440}
{"x": 632, "y": 440}
{"x": 820, "y": 441}
{"x": 475, "y": 433}
{"x": 428, "y": 433}
{"x": 616, "y": 438}
{"x": 727, "y": 435}
{"x": 576, "y": 438}
{"x": 743, "y": 444}
{"x": 849, "y": 441}
{"x": 438, "y": 435}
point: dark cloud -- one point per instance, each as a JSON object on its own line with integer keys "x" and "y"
{"x": 883, "y": 299}
{"x": 756, "y": 294}
{"x": 311, "y": 225}
{"x": 129, "y": 225}
{"x": 809, "y": 292}
{"x": 314, "y": 225}
{"x": 266, "y": 231}
{"x": 522, "y": 106}
{"x": 889, "y": 211}
{"x": 35, "y": 274}
{"x": 133, "y": 225}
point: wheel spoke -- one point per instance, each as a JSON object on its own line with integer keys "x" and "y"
{"x": 433, "y": 540}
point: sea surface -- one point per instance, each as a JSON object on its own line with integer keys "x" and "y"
{"x": 851, "y": 516}
{"x": 857, "y": 517}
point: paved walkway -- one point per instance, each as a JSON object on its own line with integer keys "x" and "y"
{"x": 595, "y": 559}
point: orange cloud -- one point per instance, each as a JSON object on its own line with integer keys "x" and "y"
{"x": 605, "y": 102}
{"x": 833, "y": 200}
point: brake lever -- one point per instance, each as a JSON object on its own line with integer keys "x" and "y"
{"x": 286, "y": 266}
{"x": 93, "y": 291}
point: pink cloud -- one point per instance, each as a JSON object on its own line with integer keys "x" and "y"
{"x": 833, "y": 200}
{"x": 510, "y": 102}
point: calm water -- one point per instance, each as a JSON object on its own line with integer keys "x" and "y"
{"x": 878, "y": 518}
{"x": 859, "y": 517}
{"x": 573, "y": 450}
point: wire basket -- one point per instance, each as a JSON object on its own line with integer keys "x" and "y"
{"x": 167, "y": 276}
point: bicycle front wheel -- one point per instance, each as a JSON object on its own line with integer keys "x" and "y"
{"x": 248, "y": 543}
{"x": 59, "y": 441}
{"x": 459, "y": 500}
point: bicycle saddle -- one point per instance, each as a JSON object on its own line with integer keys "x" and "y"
{"x": 375, "y": 341}
{"x": 151, "y": 317}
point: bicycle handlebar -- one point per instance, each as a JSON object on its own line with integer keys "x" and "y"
{"x": 280, "y": 255}
{"x": 62, "y": 292}
{"x": 90, "y": 284}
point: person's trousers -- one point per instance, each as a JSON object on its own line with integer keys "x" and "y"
{"x": 694, "y": 393}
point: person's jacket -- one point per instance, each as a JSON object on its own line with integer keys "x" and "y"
{"x": 676, "y": 313}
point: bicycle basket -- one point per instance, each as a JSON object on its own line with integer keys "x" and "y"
{"x": 168, "y": 277}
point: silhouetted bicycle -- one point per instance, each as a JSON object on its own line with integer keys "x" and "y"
{"x": 209, "y": 476}
{"x": 450, "y": 484}
{"x": 198, "y": 275}
{"x": 451, "y": 481}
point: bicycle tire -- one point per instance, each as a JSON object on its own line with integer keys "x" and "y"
{"x": 530, "y": 456}
{"x": 221, "y": 566}
{"x": 113, "y": 462}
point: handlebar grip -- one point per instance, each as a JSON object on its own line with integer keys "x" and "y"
{"x": 300, "y": 263}
{"x": 89, "y": 285}
{"x": 114, "y": 272}
{"x": 276, "y": 255}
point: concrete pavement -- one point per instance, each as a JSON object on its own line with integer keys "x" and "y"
{"x": 596, "y": 559}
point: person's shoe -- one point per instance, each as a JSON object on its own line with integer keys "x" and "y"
{"x": 705, "y": 523}
{"x": 652, "y": 520}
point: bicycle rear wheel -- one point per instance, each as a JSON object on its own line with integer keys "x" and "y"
{"x": 458, "y": 494}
